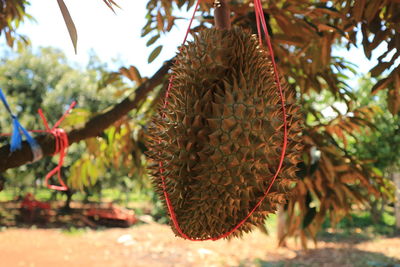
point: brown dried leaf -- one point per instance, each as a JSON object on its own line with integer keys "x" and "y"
{"x": 155, "y": 53}
{"x": 160, "y": 22}
{"x": 135, "y": 74}
{"x": 9, "y": 39}
{"x": 394, "y": 96}
{"x": 70, "y": 23}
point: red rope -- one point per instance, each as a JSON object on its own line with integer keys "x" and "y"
{"x": 61, "y": 147}
{"x": 260, "y": 22}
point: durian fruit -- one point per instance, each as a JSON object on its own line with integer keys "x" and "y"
{"x": 220, "y": 138}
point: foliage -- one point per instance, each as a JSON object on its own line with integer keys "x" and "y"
{"x": 381, "y": 145}
{"x": 303, "y": 33}
{"x": 70, "y": 23}
{"x": 121, "y": 147}
{"x": 378, "y": 148}
{"x": 360, "y": 222}
{"x": 12, "y": 14}
{"x": 44, "y": 79}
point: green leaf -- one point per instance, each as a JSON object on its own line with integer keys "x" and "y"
{"x": 155, "y": 53}
{"x": 146, "y": 30}
{"x": 153, "y": 40}
{"x": 377, "y": 171}
{"x": 70, "y": 24}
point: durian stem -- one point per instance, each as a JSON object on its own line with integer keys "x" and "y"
{"x": 222, "y": 15}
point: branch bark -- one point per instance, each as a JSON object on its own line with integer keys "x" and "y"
{"x": 222, "y": 15}
{"x": 94, "y": 127}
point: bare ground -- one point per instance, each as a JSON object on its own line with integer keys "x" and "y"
{"x": 155, "y": 245}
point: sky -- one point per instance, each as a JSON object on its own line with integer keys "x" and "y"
{"x": 116, "y": 38}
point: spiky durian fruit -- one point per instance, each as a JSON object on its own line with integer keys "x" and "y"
{"x": 221, "y": 138}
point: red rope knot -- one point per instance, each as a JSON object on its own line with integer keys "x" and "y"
{"x": 61, "y": 147}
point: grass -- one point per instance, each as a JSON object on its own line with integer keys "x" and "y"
{"x": 359, "y": 226}
{"x": 364, "y": 221}
{"x": 74, "y": 231}
{"x": 271, "y": 223}
{"x": 42, "y": 194}
{"x": 108, "y": 195}
{"x": 6, "y": 195}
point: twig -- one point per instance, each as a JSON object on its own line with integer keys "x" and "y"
{"x": 222, "y": 15}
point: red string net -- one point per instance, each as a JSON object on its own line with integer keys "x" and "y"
{"x": 261, "y": 27}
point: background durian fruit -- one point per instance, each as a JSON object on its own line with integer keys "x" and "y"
{"x": 222, "y": 135}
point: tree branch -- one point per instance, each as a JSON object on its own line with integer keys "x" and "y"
{"x": 222, "y": 15}
{"x": 94, "y": 127}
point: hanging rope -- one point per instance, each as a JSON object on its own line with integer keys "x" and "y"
{"x": 261, "y": 26}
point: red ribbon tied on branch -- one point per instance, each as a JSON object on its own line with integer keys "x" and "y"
{"x": 61, "y": 147}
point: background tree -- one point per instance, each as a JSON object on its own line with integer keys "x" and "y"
{"x": 44, "y": 79}
{"x": 379, "y": 147}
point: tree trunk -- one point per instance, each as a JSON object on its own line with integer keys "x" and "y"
{"x": 67, "y": 205}
{"x": 281, "y": 223}
{"x": 376, "y": 212}
{"x": 396, "y": 179}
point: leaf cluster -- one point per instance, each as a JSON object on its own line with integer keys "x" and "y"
{"x": 12, "y": 13}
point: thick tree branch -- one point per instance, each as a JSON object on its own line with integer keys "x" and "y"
{"x": 94, "y": 127}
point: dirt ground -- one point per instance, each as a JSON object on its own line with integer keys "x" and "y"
{"x": 155, "y": 245}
